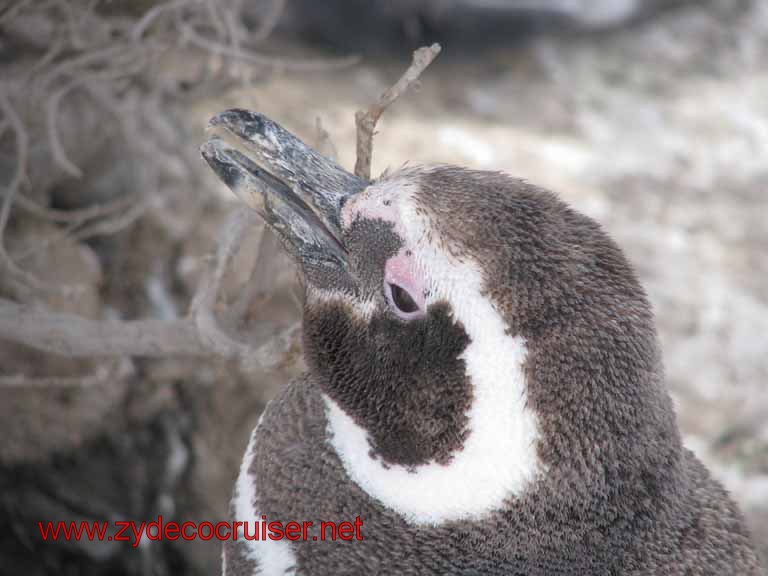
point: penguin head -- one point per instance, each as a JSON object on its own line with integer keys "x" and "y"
{"x": 451, "y": 268}
{"x": 470, "y": 326}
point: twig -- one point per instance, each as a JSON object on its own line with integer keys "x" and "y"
{"x": 56, "y": 47}
{"x": 76, "y": 216}
{"x": 152, "y": 14}
{"x": 325, "y": 144}
{"x": 45, "y": 243}
{"x": 75, "y": 38}
{"x": 366, "y": 120}
{"x": 22, "y": 156}
{"x": 11, "y": 12}
{"x": 263, "y": 273}
{"x": 268, "y": 61}
{"x": 203, "y": 304}
{"x": 16, "y": 274}
{"x": 214, "y": 17}
{"x": 106, "y": 55}
{"x": 105, "y": 226}
{"x": 269, "y": 21}
{"x": 52, "y": 116}
{"x": 274, "y": 352}
{"x": 117, "y": 222}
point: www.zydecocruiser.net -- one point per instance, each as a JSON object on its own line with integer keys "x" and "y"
{"x": 133, "y": 532}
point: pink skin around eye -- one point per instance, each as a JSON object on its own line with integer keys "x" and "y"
{"x": 402, "y": 270}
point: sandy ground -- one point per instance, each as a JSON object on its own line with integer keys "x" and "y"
{"x": 660, "y": 133}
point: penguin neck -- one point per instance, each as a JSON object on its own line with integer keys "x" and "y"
{"x": 498, "y": 458}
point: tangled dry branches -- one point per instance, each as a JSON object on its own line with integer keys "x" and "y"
{"x": 87, "y": 73}
{"x": 104, "y": 67}
{"x": 366, "y": 120}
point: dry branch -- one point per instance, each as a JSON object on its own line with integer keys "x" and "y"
{"x": 151, "y": 15}
{"x": 203, "y": 304}
{"x": 366, "y": 120}
{"x": 111, "y": 58}
{"x": 52, "y": 116}
{"x": 325, "y": 143}
{"x": 17, "y": 277}
{"x": 271, "y": 18}
{"x": 268, "y": 61}
{"x": 262, "y": 274}
{"x": 114, "y": 223}
{"x": 77, "y": 337}
{"x": 100, "y": 210}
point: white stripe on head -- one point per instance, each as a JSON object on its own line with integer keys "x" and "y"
{"x": 273, "y": 557}
{"x": 498, "y": 459}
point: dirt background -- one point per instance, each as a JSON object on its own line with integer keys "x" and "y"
{"x": 657, "y": 127}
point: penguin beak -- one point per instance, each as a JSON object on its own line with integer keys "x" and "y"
{"x": 298, "y": 192}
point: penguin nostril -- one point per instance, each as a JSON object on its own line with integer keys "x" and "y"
{"x": 402, "y": 301}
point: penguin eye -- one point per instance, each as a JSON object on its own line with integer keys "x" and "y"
{"x": 403, "y": 303}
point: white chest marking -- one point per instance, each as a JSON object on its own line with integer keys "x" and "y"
{"x": 274, "y": 557}
{"x": 498, "y": 458}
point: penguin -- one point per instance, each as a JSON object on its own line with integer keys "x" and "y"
{"x": 484, "y": 390}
